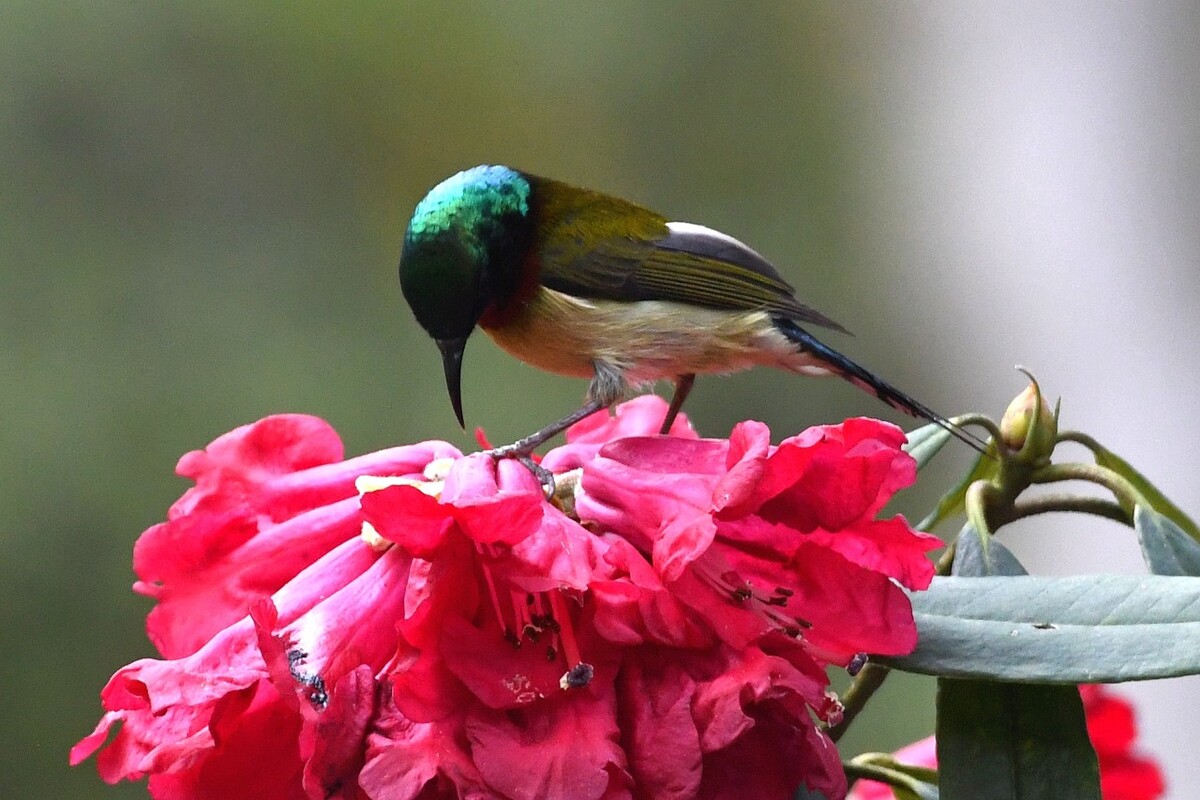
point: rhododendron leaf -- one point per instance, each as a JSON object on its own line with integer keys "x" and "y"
{"x": 954, "y": 501}
{"x": 1076, "y": 629}
{"x": 1010, "y": 740}
{"x": 1013, "y": 742}
{"x": 1157, "y": 500}
{"x": 1166, "y": 549}
{"x": 926, "y": 442}
{"x": 978, "y": 554}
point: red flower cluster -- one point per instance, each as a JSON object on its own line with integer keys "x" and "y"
{"x": 1124, "y": 774}
{"x": 419, "y": 624}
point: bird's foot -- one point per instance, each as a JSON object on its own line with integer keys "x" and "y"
{"x": 521, "y": 450}
{"x": 544, "y": 476}
{"x": 517, "y": 453}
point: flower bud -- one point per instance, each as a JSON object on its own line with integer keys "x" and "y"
{"x": 1029, "y": 426}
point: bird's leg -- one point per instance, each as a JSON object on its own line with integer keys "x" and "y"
{"x": 526, "y": 445}
{"x": 606, "y": 388}
{"x": 683, "y": 385}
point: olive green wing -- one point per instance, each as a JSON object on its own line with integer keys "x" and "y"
{"x": 598, "y": 247}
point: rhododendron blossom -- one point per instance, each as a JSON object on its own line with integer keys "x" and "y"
{"x": 419, "y": 623}
{"x": 1124, "y": 773}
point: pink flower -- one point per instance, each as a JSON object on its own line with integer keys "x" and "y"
{"x": 667, "y": 638}
{"x": 757, "y": 538}
{"x": 270, "y": 499}
{"x": 1124, "y": 774}
{"x": 265, "y": 545}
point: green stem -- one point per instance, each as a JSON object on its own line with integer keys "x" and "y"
{"x": 1103, "y": 476}
{"x": 980, "y": 420}
{"x": 976, "y": 505}
{"x": 1078, "y": 437}
{"x": 865, "y": 684}
{"x": 857, "y": 771}
{"x": 859, "y": 768}
{"x": 1069, "y": 503}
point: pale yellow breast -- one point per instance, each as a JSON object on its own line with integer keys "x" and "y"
{"x": 645, "y": 341}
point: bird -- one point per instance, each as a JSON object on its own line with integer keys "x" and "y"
{"x": 581, "y": 283}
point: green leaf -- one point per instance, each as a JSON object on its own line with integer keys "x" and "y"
{"x": 1159, "y": 501}
{"x": 925, "y": 442}
{"x": 1077, "y": 629}
{"x": 954, "y": 501}
{"x": 978, "y": 554}
{"x": 1000, "y": 741}
{"x": 1166, "y": 549}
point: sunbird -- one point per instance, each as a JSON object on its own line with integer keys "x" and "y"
{"x": 581, "y": 283}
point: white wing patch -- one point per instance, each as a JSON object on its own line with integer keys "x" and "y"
{"x": 692, "y": 229}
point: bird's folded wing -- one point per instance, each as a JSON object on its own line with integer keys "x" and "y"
{"x": 667, "y": 261}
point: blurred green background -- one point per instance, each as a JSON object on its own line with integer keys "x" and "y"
{"x": 203, "y": 205}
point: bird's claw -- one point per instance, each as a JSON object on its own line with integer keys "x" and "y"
{"x": 544, "y": 476}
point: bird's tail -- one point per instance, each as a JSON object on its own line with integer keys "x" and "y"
{"x": 865, "y": 379}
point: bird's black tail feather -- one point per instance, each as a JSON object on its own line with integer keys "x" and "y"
{"x": 865, "y": 379}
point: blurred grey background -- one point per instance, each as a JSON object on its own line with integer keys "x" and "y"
{"x": 203, "y": 204}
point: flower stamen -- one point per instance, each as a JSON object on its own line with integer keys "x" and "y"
{"x": 767, "y": 607}
{"x": 494, "y": 596}
{"x": 580, "y": 673}
{"x": 318, "y": 694}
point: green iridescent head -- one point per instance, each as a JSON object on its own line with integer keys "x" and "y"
{"x": 463, "y": 252}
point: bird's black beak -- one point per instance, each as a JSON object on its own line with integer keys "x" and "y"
{"x": 452, "y": 354}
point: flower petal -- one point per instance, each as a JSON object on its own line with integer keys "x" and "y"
{"x": 641, "y": 416}
{"x": 566, "y": 748}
